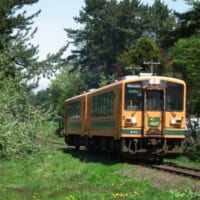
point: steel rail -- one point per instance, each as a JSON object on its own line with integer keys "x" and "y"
{"x": 180, "y": 170}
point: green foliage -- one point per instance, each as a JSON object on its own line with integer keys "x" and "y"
{"x": 196, "y": 108}
{"x": 88, "y": 176}
{"x": 186, "y": 63}
{"x": 192, "y": 147}
{"x": 12, "y": 20}
{"x": 51, "y": 100}
{"x": 188, "y": 194}
{"x": 160, "y": 21}
{"x": 41, "y": 100}
{"x": 112, "y": 28}
{"x": 20, "y": 124}
{"x": 145, "y": 50}
{"x": 18, "y": 56}
{"x": 186, "y": 66}
{"x": 65, "y": 86}
{"x": 188, "y": 23}
{"x": 104, "y": 81}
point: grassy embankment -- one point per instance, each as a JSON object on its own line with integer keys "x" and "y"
{"x": 70, "y": 175}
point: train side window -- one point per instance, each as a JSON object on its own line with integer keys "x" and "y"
{"x": 174, "y": 97}
{"x": 74, "y": 110}
{"x": 133, "y": 96}
{"x": 102, "y": 105}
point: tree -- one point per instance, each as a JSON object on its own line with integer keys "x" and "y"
{"x": 17, "y": 55}
{"x": 185, "y": 62}
{"x": 186, "y": 54}
{"x": 160, "y": 21}
{"x": 145, "y": 50}
{"x": 65, "y": 85}
{"x": 188, "y": 24}
{"x": 21, "y": 124}
{"x": 111, "y": 28}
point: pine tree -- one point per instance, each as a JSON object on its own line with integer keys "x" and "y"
{"x": 160, "y": 21}
{"x": 188, "y": 24}
{"x": 111, "y": 28}
{"x": 18, "y": 57}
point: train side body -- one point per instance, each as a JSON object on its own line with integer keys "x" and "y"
{"x": 104, "y": 111}
{"x": 142, "y": 116}
{"x": 75, "y": 119}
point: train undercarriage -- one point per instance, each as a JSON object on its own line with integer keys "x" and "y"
{"x": 155, "y": 148}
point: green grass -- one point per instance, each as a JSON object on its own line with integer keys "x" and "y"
{"x": 73, "y": 175}
{"x": 183, "y": 160}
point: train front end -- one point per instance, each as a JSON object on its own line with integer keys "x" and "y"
{"x": 153, "y": 116}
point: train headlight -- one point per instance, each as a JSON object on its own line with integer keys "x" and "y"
{"x": 132, "y": 120}
{"x": 175, "y": 121}
{"x": 154, "y": 81}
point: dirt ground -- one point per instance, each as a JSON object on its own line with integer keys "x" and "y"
{"x": 165, "y": 180}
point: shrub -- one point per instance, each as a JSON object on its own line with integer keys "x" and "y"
{"x": 20, "y": 123}
{"x": 192, "y": 147}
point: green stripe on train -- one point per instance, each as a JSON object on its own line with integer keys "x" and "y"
{"x": 103, "y": 124}
{"x": 74, "y": 125}
{"x": 131, "y": 131}
{"x": 174, "y": 132}
{"x": 167, "y": 132}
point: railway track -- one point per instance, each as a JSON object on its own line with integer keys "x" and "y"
{"x": 167, "y": 167}
{"x": 177, "y": 169}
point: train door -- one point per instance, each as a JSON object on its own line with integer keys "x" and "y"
{"x": 154, "y": 106}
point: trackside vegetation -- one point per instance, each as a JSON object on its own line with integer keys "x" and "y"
{"x": 22, "y": 125}
{"x": 67, "y": 174}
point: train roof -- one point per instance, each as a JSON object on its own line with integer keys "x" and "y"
{"x": 126, "y": 79}
{"x": 148, "y": 76}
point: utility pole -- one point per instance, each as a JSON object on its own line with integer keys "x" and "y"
{"x": 151, "y": 65}
{"x": 134, "y": 69}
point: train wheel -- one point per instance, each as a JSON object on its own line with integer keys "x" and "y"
{"x": 77, "y": 147}
{"x": 158, "y": 160}
{"x": 77, "y": 142}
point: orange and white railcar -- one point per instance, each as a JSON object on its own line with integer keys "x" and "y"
{"x": 140, "y": 115}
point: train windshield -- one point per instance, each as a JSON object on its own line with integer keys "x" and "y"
{"x": 174, "y": 97}
{"x": 133, "y": 96}
{"x": 154, "y": 99}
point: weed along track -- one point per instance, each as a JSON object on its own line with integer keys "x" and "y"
{"x": 56, "y": 144}
{"x": 183, "y": 167}
{"x": 173, "y": 168}
{"x": 102, "y": 168}
{"x": 177, "y": 169}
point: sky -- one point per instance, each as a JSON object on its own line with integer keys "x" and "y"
{"x": 56, "y": 15}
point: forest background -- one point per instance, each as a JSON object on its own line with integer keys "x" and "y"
{"x": 115, "y": 39}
